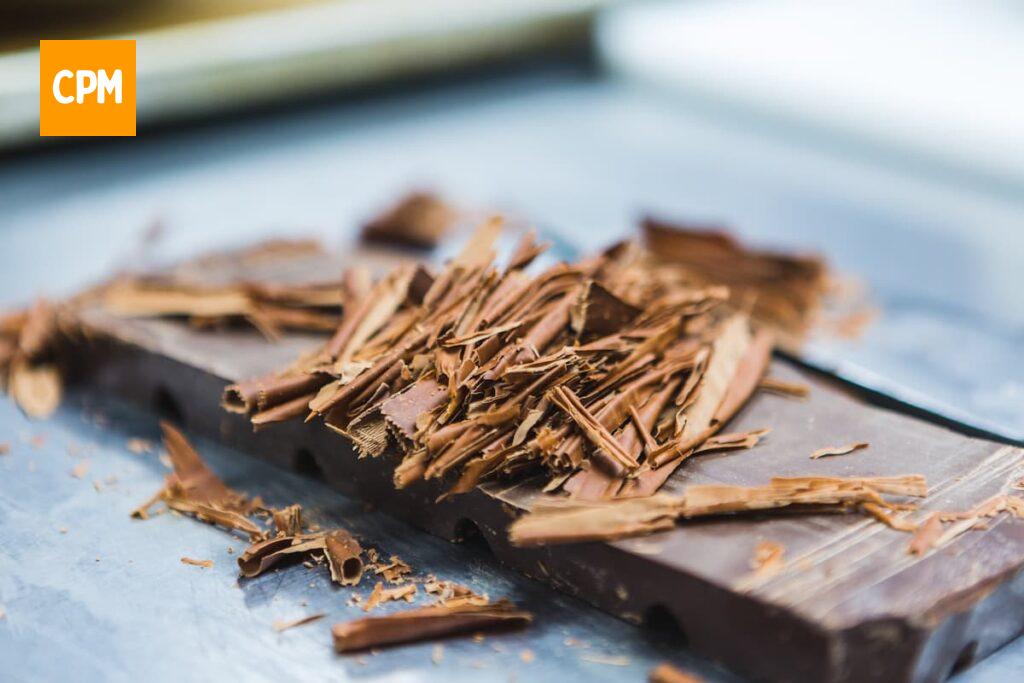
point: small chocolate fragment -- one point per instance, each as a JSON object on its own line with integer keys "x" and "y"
{"x": 838, "y": 450}
{"x": 420, "y": 220}
{"x": 666, "y": 673}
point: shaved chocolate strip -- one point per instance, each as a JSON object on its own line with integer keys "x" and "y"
{"x": 425, "y": 623}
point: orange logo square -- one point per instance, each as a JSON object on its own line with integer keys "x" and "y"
{"x": 87, "y": 87}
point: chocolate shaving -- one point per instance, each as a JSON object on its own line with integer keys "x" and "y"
{"x": 768, "y": 558}
{"x": 29, "y": 341}
{"x": 551, "y": 523}
{"x": 281, "y": 625}
{"x": 288, "y": 521}
{"x": 425, "y": 623}
{"x": 192, "y": 488}
{"x": 205, "y": 564}
{"x": 787, "y": 291}
{"x": 419, "y": 219}
{"x": 886, "y": 517}
{"x": 344, "y": 557}
{"x": 774, "y": 385}
{"x": 666, "y": 673}
{"x": 838, "y": 450}
{"x": 931, "y": 534}
{"x": 559, "y": 522}
{"x": 270, "y": 307}
{"x": 395, "y": 571}
{"x": 926, "y": 535}
{"x": 342, "y": 551}
{"x": 380, "y": 595}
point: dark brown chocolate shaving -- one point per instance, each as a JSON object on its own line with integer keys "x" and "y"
{"x": 426, "y": 623}
{"x": 786, "y": 290}
{"x": 419, "y": 219}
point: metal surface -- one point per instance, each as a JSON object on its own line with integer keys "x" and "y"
{"x": 581, "y": 154}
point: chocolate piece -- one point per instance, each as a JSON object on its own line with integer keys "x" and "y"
{"x": 420, "y": 219}
{"x": 425, "y": 623}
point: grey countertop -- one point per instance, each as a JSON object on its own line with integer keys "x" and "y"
{"x": 583, "y": 155}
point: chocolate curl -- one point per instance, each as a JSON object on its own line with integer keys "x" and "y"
{"x": 259, "y": 394}
{"x": 425, "y": 623}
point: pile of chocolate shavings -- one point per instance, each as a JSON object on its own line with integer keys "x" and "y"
{"x": 193, "y": 489}
{"x": 605, "y": 374}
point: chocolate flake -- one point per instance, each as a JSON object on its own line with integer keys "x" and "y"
{"x": 192, "y": 488}
{"x": 29, "y": 342}
{"x": 380, "y": 595}
{"x": 341, "y": 549}
{"x": 768, "y": 558}
{"x": 666, "y": 673}
{"x": 283, "y": 625}
{"x": 205, "y": 564}
{"x": 774, "y": 385}
{"x": 420, "y": 219}
{"x": 395, "y": 571}
{"x": 575, "y": 522}
{"x": 425, "y": 623}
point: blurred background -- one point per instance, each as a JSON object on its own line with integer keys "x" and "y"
{"x": 885, "y": 135}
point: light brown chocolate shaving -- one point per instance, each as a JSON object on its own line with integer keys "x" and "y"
{"x": 666, "y": 673}
{"x": 380, "y": 595}
{"x": 838, "y": 450}
{"x": 342, "y": 551}
{"x": 205, "y": 564}
{"x": 563, "y": 522}
{"x": 782, "y": 387}
{"x": 192, "y": 488}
